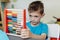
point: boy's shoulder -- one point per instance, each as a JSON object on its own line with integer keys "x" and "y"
{"x": 28, "y": 22}
{"x": 44, "y": 24}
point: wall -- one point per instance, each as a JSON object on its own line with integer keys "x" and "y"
{"x": 52, "y": 8}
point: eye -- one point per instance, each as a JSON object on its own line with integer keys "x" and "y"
{"x": 35, "y": 16}
{"x": 30, "y": 15}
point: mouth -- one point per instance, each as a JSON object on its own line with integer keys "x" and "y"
{"x": 34, "y": 23}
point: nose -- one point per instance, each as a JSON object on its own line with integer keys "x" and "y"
{"x": 32, "y": 18}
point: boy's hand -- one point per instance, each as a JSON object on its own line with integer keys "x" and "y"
{"x": 18, "y": 28}
{"x": 25, "y": 33}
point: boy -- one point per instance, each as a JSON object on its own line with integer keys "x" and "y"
{"x": 38, "y": 29}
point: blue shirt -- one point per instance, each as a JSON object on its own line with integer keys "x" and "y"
{"x": 38, "y": 29}
{"x": 3, "y": 36}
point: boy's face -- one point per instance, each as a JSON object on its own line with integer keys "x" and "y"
{"x": 35, "y": 17}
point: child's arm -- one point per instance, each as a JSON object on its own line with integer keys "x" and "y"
{"x": 41, "y": 37}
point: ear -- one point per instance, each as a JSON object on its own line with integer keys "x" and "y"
{"x": 43, "y": 15}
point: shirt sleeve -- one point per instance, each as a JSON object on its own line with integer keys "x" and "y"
{"x": 3, "y": 36}
{"x": 45, "y": 29}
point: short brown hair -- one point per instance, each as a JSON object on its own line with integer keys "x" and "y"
{"x": 35, "y": 6}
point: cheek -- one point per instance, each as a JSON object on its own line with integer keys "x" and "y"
{"x": 30, "y": 18}
{"x": 38, "y": 19}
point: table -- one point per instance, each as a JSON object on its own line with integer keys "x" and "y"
{"x": 17, "y": 37}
